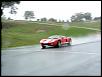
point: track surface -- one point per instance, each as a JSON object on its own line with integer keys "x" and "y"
{"x": 80, "y": 59}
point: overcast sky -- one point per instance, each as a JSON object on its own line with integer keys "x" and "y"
{"x": 56, "y": 9}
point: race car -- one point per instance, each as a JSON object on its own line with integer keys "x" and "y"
{"x": 55, "y": 41}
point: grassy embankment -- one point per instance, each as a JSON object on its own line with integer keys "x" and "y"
{"x": 94, "y": 25}
{"x": 16, "y": 33}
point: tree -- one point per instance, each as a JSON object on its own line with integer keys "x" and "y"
{"x": 59, "y": 21}
{"x": 38, "y": 20}
{"x": 9, "y": 4}
{"x": 97, "y": 18}
{"x": 44, "y": 19}
{"x": 9, "y": 18}
{"x": 3, "y": 17}
{"x": 67, "y": 21}
{"x": 81, "y": 17}
{"x": 52, "y": 20}
{"x": 73, "y": 18}
{"x": 87, "y": 16}
{"x": 63, "y": 21}
{"x": 29, "y": 14}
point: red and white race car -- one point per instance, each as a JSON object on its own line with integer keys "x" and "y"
{"x": 55, "y": 41}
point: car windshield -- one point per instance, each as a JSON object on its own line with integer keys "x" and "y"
{"x": 54, "y": 37}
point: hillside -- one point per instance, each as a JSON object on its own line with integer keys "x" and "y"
{"x": 19, "y": 33}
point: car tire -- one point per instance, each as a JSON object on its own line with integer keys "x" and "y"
{"x": 58, "y": 44}
{"x": 69, "y": 44}
{"x": 43, "y": 47}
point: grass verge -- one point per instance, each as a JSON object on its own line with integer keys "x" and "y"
{"x": 23, "y": 33}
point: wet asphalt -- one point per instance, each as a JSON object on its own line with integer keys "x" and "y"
{"x": 79, "y": 59}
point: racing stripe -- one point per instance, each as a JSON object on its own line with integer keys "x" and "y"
{"x": 47, "y": 41}
{"x": 50, "y": 40}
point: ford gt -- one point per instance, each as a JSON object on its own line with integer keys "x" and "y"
{"x": 55, "y": 41}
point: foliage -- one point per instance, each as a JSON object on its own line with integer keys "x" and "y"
{"x": 52, "y": 20}
{"x": 38, "y": 19}
{"x": 3, "y": 17}
{"x": 44, "y": 19}
{"x": 10, "y": 4}
{"x": 29, "y": 14}
{"x": 97, "y": 18}
{"x": 81, "y": 16}
{"x": 87, "y": 16}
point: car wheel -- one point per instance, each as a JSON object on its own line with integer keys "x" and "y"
{"x": 58, "y": 44}
{"x": 43, "y": 47}
{"x": 69, "y": 44}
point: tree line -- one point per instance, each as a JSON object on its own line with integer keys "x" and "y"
{"x": 28, "y": 15}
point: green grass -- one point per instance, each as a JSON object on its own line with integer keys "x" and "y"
{"x": 95, "y": 25}
{"x": 24, "y": 33}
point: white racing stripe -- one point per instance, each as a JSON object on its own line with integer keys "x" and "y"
{"x": 48, "y": 40}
